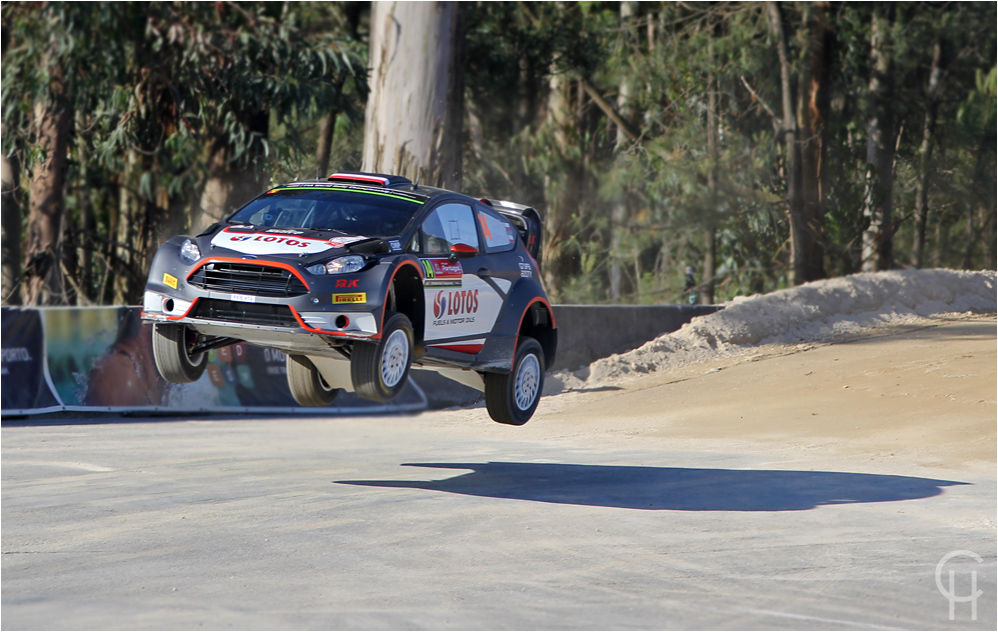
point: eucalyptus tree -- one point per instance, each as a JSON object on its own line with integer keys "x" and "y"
{"x": 414, "y": 122}
{"x": 169, "y": 106}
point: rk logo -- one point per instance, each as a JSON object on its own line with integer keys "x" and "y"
{"x": 950, "y": 591}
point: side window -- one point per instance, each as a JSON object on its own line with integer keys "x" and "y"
{"x": 447, "y": 225}
{"x": 499, "y": 234}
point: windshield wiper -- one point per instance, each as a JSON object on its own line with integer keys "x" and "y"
{"x": 335, "y": 230}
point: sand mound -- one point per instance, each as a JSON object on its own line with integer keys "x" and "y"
{"x": 812, "y": 312}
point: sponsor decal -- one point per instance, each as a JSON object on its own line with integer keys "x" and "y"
{"x": 441, "y": 273}
{"x": 395, "y": 245}
{"x": 272, "y": 239}
{"x": 170, "y": 280}
{"x": 455, "y": 307}
{"x": 526, "y": 270}
{"x": 347, "y": 282}
{"x": 340, "y": 242}
{"x": 269, "y": 243}
{"x": 359, "y": 297}
{"x": 285, "y": 231}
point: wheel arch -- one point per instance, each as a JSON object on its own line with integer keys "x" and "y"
{"x": 538, "y": 323}
{"x": 405, "y": 296}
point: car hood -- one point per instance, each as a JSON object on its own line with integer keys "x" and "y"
{"x": 253, "y": 240}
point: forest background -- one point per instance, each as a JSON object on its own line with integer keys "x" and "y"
{"x": 764, "y": 144}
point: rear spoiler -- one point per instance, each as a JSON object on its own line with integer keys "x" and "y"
{"x": 527, "y": 220}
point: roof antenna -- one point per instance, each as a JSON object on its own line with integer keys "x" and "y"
{"x": 415, "y": 185}
{"x": 317, "y": 172}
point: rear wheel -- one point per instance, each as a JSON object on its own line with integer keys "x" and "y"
{"x": 379, "y": 368}
{"x": 307, "y": 385}
{"x": 171, "y": 349}
{"x": 511, "y": 398}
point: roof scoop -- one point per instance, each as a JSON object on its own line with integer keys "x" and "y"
{"x": 369, "y": 179}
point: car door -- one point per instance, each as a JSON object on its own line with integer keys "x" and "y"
{"x": 461, "y": 305}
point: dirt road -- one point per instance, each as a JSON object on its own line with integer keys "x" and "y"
{"x": 815, "y": 487}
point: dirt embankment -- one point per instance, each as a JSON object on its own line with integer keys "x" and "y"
{"x": 922, "y": 392}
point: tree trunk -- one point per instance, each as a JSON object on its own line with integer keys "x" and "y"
{"x": 11, "y": 231}
{"x": 562, "y": 189}
{"x": 619, "y": 212}
{"x": 414, "y": 118}
{"x": 798, "y": 230}
{"x": 925, "y": 154}
{"x": 878, "y": 202}
{"x": 43, "y": 276}
{"x": 812, "y": 111}
{"x": 713, "y": 153}
{"x": 231, "y": 184}
{"x": 127, "y": 228}
{"x": 327, "y": 128}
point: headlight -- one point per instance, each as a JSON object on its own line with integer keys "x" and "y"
{"x": 190, "y": 252}
{"x": 340, "y": 265}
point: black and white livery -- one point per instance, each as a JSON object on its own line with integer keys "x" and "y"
{"x": 356, "y": 278}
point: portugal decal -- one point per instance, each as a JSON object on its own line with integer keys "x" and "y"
{"x": 441, "y": 273}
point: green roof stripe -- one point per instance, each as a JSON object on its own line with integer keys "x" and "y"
{"x": 397, "y": 197}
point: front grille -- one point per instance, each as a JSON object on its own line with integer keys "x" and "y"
{"x": 249, "y": 313}
{"x": 248, "y": 278}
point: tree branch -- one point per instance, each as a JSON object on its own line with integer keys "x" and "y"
{"x": 632, "y": 132}
{"x": 761, "y": 101}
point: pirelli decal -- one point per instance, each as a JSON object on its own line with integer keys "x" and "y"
{"x": 356, "y": 297}
{"x": 170, "y": 280}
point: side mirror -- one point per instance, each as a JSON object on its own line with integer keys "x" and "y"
{"x": 462, "y": 251}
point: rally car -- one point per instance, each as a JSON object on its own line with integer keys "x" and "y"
{"x": 357, "y": 277}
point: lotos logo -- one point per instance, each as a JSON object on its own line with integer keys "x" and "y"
{"x": 439, "y": 305}
{"x": 455, "y": 303}
{"x": 287, "y": 241}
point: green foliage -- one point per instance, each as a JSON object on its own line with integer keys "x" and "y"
{"x": 171, "y": 82}
{"x": 661, "y": 52}
{"x": 158, "y": 88}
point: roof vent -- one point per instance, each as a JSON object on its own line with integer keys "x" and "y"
{"x": 369, "y": 179}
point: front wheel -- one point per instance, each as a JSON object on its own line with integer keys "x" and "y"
{"x": 379, "y": 368}
{"x": 306, "y": 384}
{"x": 171, "y": 350}
{"x": 511, "y": 398}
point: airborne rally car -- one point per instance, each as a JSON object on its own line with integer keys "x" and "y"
{"x": 355, "y": 278}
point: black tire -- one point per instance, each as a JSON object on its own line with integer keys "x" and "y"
{"x": 171, "y": 344}
{"x": 379, "y": 368}
{"x": 511, "y": 398}
{"x": 306, "y": 383}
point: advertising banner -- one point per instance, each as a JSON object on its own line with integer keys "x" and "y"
{"x": 25, "y": 384}
{"x": 100, "y": 358}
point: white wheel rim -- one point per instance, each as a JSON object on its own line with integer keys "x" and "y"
{"x": 394, "y": 358}
{"x": 528, "y": 379}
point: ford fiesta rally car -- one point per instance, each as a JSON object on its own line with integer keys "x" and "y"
{"x": 355, "y": 278}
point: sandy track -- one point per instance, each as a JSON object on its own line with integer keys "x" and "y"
{"x": 923, "y": 393}
{"x": 812, "y": 487}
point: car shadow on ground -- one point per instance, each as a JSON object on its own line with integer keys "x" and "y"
{"x": 669, "y": 488}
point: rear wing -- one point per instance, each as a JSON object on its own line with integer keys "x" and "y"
{"x": 527, "y": 221}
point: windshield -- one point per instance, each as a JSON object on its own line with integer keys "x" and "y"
{"x": 350, "y": 212}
